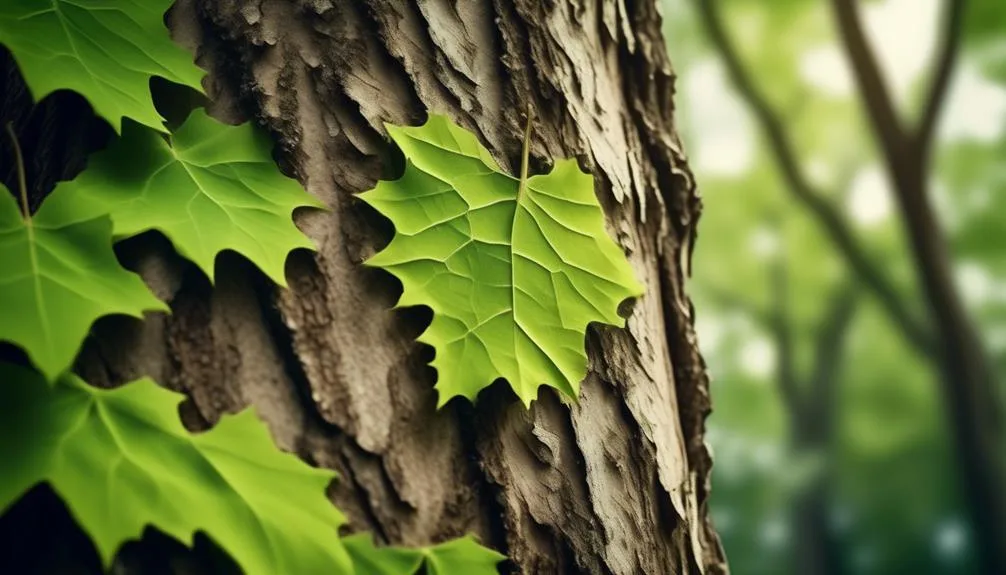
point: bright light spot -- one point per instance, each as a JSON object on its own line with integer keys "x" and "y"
{"x": 902, "y": 33}
{"x": 766, "y": 456}
{"x": 730, "y": 466}
{"x": 819, "y": 171}
{"x": 996, "y": 338}
{"x": 864, "y": 558}
{"x": 977, "y": 285}
{"x": 951, "y": 210}
{"x": 757, "y": 357}
{"x": 827, "y": 69}
{"x": 710, "y": 332}
{"x": 775, "y": 533}
{"x": 725, "y": 145}
{"x": 976, "y": 108}
{"x": 840, "y": 518}
{"x": 870, "y": 199}
{"x": 764, "y": 243}
{"x": 950, "y": 539}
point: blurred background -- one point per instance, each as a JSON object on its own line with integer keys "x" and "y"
{"x": 850, "y": 278}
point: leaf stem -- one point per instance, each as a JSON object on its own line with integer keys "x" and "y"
{"x": 525, "y": 153}
{"x": 21, "y": 179}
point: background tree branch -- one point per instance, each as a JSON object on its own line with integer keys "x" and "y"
{"x": 836, "y": 227}
{"x": 781, "y": 328}
{"x": 947, "y": 56}
{"x": 829, "y": 349}
{"x": 872, "y": 88}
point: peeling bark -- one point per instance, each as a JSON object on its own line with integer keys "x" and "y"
{"x": 614, "y": 483}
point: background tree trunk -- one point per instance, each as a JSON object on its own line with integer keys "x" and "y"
{"x": 615, "y": 483}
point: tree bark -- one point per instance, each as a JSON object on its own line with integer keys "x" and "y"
{"x": 616, "y": 482}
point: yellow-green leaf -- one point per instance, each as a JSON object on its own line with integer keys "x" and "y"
{"x": 121, "y": 460}
{"x": 58, "y": 278}
{"x": 208, "y": 187}
{"x": 513, "y": 270}
{"x": 106, "y": 50}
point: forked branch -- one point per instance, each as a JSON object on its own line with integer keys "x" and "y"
{"x": 832, "y": 221}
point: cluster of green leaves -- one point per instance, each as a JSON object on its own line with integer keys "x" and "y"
{"x": 120, "y": 458}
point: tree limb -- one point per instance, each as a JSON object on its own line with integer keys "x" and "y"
{"x": 879, "y": 106}
{"x": 834, "y": 224}
{"x": 726, "y": 299}
{"x": 782, "y": 332}
{"x": 829, "y": 349}
{"x": 950, "y": 42}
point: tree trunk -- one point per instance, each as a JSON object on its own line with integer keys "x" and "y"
{"x": 614, "y": 483}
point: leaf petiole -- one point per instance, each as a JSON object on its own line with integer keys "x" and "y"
{"x": 21, "y": 179}
{"x": 525, "y": 152}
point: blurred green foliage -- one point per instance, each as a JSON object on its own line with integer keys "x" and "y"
{"x": 893, "y": 498}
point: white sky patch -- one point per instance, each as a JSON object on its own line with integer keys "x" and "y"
{"x": 757, "y": 357}
{"x": 869, "y": 201}
{"x": 725, "y": 141}
{"x": 976, "y": 108}
{"x": 977, "y": 285}
{"x": 710, "y": 332}
{"x": 902, "y": 34}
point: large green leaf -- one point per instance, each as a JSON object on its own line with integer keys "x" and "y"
{"x": 107, "y": 50}
{"x": 122, "y": 460}
{"x": 58, "y": 278}
{"x": 458, "y": 556}
{"x": 209, "y": 187}
{"x": 514, "y": 271}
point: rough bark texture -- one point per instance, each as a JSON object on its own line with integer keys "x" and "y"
{"x": 615, "y": 483}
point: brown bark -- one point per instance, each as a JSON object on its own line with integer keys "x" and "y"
{"x": 614, "y": 483}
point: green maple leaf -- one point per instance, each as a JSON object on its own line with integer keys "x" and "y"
{"x": 121, "y": 460}
{"x": 455, "y": 557}
{"x": 513, "y": 268}
{"x": 208, "y": 187}
{"x": 106, "y": 50}
{"x": 58, "y": 278}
